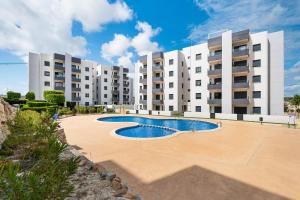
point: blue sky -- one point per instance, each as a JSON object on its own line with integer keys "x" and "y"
{"x": 118, "y": 31}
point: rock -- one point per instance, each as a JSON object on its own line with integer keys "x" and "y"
{"x": 109, "y": 176}
{"x": 122, "y": 191}
{"x": 61, "y": 135}
{"x": 116, "y": 185}
{"x": 7, "y": 112}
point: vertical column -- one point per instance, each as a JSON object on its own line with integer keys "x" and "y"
{"x": 68, "y": 77}
{"x": 227, "y": 72}
{"x": 121, "y": 88}
{"x": 35, "y": 82}
{"x": 149, "y": 81}
{"x": 137, "y": 86}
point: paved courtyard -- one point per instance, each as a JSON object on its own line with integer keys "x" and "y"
{"x": 241, "y": 160}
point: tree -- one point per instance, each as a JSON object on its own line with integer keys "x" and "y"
{"x": 55, "y": 96}
{"x": 30, "y": 96}
{"x": 296, "y": 102}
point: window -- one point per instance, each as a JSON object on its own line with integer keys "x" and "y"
{"x": 105, "y": 95}
{"x": 198, "y": 69}
{"x": 256, "y": 63}
{"x": 105, "y": 72}
{"x": 198, "y": 95}
{"x": 256, "y": 47}
{"x": 171, "y": 96}
{"x": 256, "y": 94}
{"x": 86, "y": 103}
{"x": 256, "y": 110}
{"x": 198, "y": 82}
{"x": 198, "y": 56}
{"x": 171, "y": 73}
{"x": 198, "y": 109}
{"x": 46, "y": 73}
{"x": 105, "y": 87}
{"x": 171, "y": 85}
{"x": 171, "y": 61}
{"x": 171, "y": 108}
{"x": 87, "y": 78}
{"x": 87, "y": 86}
{"x": 87, "y": 69}
{"x": 87, "y": 95}
{"x": 105, "y": 80}
{"x": 46, "y": 83}
{"x": 257, "y": 79}
{"x": 181, "y": 63}
{"x": 46, "y": 63}
{"x": 182, "y": 74}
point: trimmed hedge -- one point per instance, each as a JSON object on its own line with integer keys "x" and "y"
{"x": 55, "y": 96}
{"x": 15, "y": 101}
{"x": 47, "y": 92}
{"x": 30, "y": 96}
{"x": 50, "y": 109}
{"x": 39, "y": 103}
{"x": 13, "y": 95}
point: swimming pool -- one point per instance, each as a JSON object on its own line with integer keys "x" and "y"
{"x": 149, "y": 127}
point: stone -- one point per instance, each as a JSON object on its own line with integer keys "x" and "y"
{"x": 116, "y": 185}
{"x": 109, "y": 176}
{"x": 7, "y": 112}
{"x": 122, "y": 191}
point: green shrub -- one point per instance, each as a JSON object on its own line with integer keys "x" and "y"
{"x": 91, "y": 109}
{"x": 15, "y": 101}
{"x": 30, "y": 96}
{"x": 13, "y": 95}
{"x": 58, "y": 99}
{"x": 65, "y": 111}
{"x": 50, "y": 109}
{"x": 39, "y": 103}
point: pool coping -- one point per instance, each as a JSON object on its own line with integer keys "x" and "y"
{"x": 177, "y": 132}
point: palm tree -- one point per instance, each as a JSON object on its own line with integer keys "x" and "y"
{"x": 296, "y": 102}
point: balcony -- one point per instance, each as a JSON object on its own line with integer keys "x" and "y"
{"x": 76, "y": 70}
{"x": 157, "y": 79}
{"x": 76, "y": 89}
{"x": 157, "y": 55}
{"x": 74, "y": 79}
{"x": 157, "y": 102}
{"x": 115, "y": 76}
{"x": 76, "y": 60}
{"x": 240, "y": 53}
{"x": 240, "y": 69}
{"x": 59, "y": 88}
{"x": 143, "y": 59}
{"x": 125, "y": 78}
{"x": 214, "y": 57}
{"x": 115, "y": 92}
{"x": 115, "y": 98}
{"x": 142, "y": 101}
{"x": 241, "y": 36}
{"x": 143, "y": 91}
{"x": 59, "y": 78}
{"x": 157, "y": 68}
{"x": 157, "y": 90}
{"x": 143, "y": 70}
{"x": 125, "y": 91}
{"x": 125, "y": 84}
{"x": 76, "y": 98}
{"x": 116, "y": 68}
{"x": 240, "y": 102}
{"x": 58, "y": 56}
{"x": 241, "y": 85}
{"x": 115, "y": 84}
{"x": 59, "y": 66}
{"x": 216, "y": 86}
{"x": 215, "y": 72}
{"x": 214, "y": 101}
{"x": 214, "y": 42}
{"x": 143, "y": 80}
{"x": 125, "y": 70}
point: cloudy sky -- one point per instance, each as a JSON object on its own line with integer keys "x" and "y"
{"x": 116, "y": 32}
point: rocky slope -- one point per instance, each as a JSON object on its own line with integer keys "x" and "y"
{"x": 6, "y": 112}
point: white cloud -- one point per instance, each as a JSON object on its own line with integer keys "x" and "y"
{"x": 120, "y": 49}
{"x": 292, "y": 78}
{"x": 46, "y": 26}
{"x": 116, "y": 47}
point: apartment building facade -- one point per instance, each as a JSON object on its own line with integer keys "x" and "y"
{"x": 83, "y": 82}
{"x": 114, "y": 86}
{"x": 234, "y": 72}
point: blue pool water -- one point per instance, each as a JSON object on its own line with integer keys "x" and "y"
{"x": 166, "y": 126}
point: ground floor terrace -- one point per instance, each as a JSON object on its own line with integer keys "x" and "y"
{"x": 240, "y": 160}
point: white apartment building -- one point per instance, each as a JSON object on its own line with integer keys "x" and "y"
{"x": 113, "y": 85}
{"x": 84, "y": 82}
{"x": 234, "y": 72}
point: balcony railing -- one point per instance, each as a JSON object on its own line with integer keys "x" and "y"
{"x": 126, "y": 84}
{"x": 76, "y": 98}
{"x": 157, "y": 102}
{"x": 59, "y": 78}
{"x": 240, "y": 52}
{"x": 115, "y": 76}
{"x": 59, "y": 66}
{"x": 143, "y": 91}
{"x": 214, "y": 42}
{"x": 241, "y": 35}
{"x": 125, "y": 78}
{"x": 157, "y": 68}
{"x": 125, "y": 92}
{"x": 115, "y": 91}
{"x": 76, "y": 89}
{"x": 143, "y": 80}
{"x": 74, "y": 79}
{"x": 214, "y": 57}
{"x": 76, "y": 70}
{"x": 115, "y": 98}
{"x": 214, "y": 72}
{"x": 214, "y": 101}
{"x": 59, "y": 88}
{"x": 143, "y": 70}
{"x": 216, "y": 86}
{"x": 115, "y": 84}
{"x": 142, "y": 101}
{"x": 157, "y": 79}
{"x": 241, "y": 102}
{"x": 240, "y": 69}
{"x": 157, "y": 90}
{"x": 241, "y": 85}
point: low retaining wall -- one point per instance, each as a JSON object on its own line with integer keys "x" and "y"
{"x": 196, "y": 114}
{"x": 162, "y": 113}
{"x": 226, "y": 116}
{"x": 267, "y": 118}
